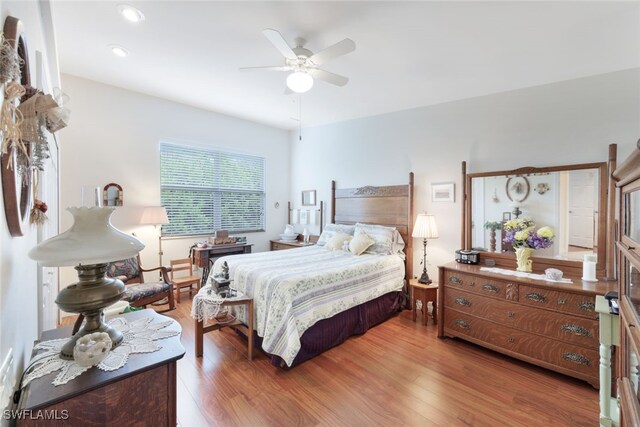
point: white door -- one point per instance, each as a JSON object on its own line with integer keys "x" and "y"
{"x": 48, "y": 191}
{"x": 582, "y": 207}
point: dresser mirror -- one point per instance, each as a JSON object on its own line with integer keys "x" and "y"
{"x": 571, "y": 199}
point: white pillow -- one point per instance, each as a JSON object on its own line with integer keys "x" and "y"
{"x": 360, "y": 243}
{"x": 337, "y": 241}
{"x": 383, "y": 237}
{"x": 331, "y": 229}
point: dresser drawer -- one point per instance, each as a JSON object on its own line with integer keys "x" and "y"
{"x": 565, "y": 355}
{"x": 476, "y": 284}
{"x": 582, "y": 305}
{"x": 275, "y": 246}
{"x": 567, "y": 328}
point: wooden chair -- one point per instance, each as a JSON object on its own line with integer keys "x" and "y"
{"x": 180, "y": 282}
{"x": 138, "y": 292}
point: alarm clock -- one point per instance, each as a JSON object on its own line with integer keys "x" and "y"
{"x": 467, "y": 257}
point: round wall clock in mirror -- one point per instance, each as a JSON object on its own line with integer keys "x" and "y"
{"x": 16, "y": 173}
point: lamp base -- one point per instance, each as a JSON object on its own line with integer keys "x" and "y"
{"x": 89, "y": 297}
{"x": 424, "y": 279}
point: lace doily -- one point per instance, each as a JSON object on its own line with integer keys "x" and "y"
{"x": 206, "y": 304}
{"x": 523, "y": 274}
{"x": 139, "y": 337}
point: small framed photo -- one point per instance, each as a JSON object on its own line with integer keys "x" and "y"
{"x": 443, "y": 192}
{"x": 304, "y": 216}
{"x": 506, "y": 216}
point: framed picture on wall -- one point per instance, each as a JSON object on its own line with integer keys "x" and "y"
{"x": 443, "y": 192}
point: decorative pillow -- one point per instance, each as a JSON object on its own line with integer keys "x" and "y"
{"x": 331, "y": 229}
{"x": 337, "y": 241}
{"x": 383, "y": 236}
{"x": 360, "y": 243}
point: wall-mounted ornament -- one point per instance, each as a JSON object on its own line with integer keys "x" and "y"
{"x": 517, "y": 188}
{"x": 542, "y": 188}
{"x": 495, "y": 196}
{"x": 15, "y": 163}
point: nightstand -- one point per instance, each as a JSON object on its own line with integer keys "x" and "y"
{"x": 422, "y": 294}
{"x": 278, "y": 245}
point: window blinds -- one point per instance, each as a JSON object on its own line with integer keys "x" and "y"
{"x": 207, "y": 190}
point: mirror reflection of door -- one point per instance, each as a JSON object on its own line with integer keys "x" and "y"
{"x": 112, "y": 195}
{"x": 582, "y": 209}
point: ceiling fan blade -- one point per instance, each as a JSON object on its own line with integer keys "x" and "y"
{"x": 279, "y": 42}
{"x": 274, "y": 68}
{"x": 333, "y": 51}
{"x": 334, "y": 79}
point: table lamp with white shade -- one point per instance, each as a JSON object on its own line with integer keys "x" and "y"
{"x": 89, "y": 245}
{"x": 425, "y": 228}
{"x": 156, "y": 216}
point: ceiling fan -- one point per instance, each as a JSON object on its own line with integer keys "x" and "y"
{"x": 305, "y": 63}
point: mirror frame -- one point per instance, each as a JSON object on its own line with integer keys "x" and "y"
{"x": 105, "y": 194}
{"x": 570, "y": 267}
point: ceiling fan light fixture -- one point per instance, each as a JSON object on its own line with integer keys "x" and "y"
{"x": 299, "y": 81}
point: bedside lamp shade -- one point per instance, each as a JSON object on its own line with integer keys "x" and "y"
{"x": 155, "y": 215}
{"x": 425, "y": 227}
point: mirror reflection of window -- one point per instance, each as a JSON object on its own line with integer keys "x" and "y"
{"x": 112, "y": 196}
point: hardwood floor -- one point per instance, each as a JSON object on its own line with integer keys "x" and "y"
{"x": 398, "y": 373}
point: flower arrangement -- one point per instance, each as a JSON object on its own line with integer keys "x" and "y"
{"x": 521, "y": 233}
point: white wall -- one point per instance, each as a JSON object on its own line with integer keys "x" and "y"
{"x": 114, "y": 136}
{"x": 18, "y": 274}
{"x": 561, "y": 123}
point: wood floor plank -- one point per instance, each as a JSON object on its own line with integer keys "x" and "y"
{"x": 398, "y": 373}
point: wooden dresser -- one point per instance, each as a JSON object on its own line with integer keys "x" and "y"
{"x": 142, "y": 392}
{"x": 551, "y": 325}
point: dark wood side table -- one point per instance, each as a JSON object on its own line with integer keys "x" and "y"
{"x": 228, "y": 302}
{"x": 142, "y": 392}
{"x": 424, "y": 293}
{"x": 202, "y": 256}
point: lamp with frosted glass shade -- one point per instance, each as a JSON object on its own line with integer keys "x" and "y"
{"x": 89, "y": 245}
{"x": 156, "y": 216}
{"x": 426, "y": 228}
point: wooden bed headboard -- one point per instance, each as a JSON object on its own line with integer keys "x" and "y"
{"x": 390, "y": 205}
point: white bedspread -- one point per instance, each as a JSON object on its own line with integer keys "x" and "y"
{"x": 293, "y": 289}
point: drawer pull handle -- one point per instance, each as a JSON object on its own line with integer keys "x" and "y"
{"x": 562, "y": 301}
{"x": 534, "y": 296}
{"x": 587, "y": 306}
{"x": 461, "y": 323}
{"x": 455, "y": 280}
{"x": 511, "y": 314}
{"x": 576, "y": 358}
{"x": 463, "y": 301}
{"x": 490, "y": 288}
{"x": 511, "y": 340}
{"x": 578, "y": 330}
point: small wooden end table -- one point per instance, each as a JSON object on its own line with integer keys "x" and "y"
{"x": 229, "y": 302}
{"x": 424, "y": 293}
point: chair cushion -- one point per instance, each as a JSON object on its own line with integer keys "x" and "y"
{"x": 143, "y": 290}
{"x": 125, "y": 269}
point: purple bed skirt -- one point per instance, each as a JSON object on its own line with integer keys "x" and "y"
{"x": 330, "y": 332}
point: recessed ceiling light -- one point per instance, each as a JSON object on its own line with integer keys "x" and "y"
{"x": 130, "y": 13}
{"x": 119, "y": 50}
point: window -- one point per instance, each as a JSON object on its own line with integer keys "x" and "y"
{"x": 206, "y": 190}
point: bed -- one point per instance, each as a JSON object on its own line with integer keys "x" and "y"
{"x": 309, "y": 299}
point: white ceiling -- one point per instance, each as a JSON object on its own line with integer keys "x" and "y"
{"x": 408, "y": 54}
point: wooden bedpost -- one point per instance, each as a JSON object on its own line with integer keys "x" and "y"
{"x": 463, "y": 237}
{"x": 288, "y": 212}
{"x": 333, "y": 202}
{"x": 321, "y": 215}
{"x": 611, "y": 213}
{"x": 409, "y": 253}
